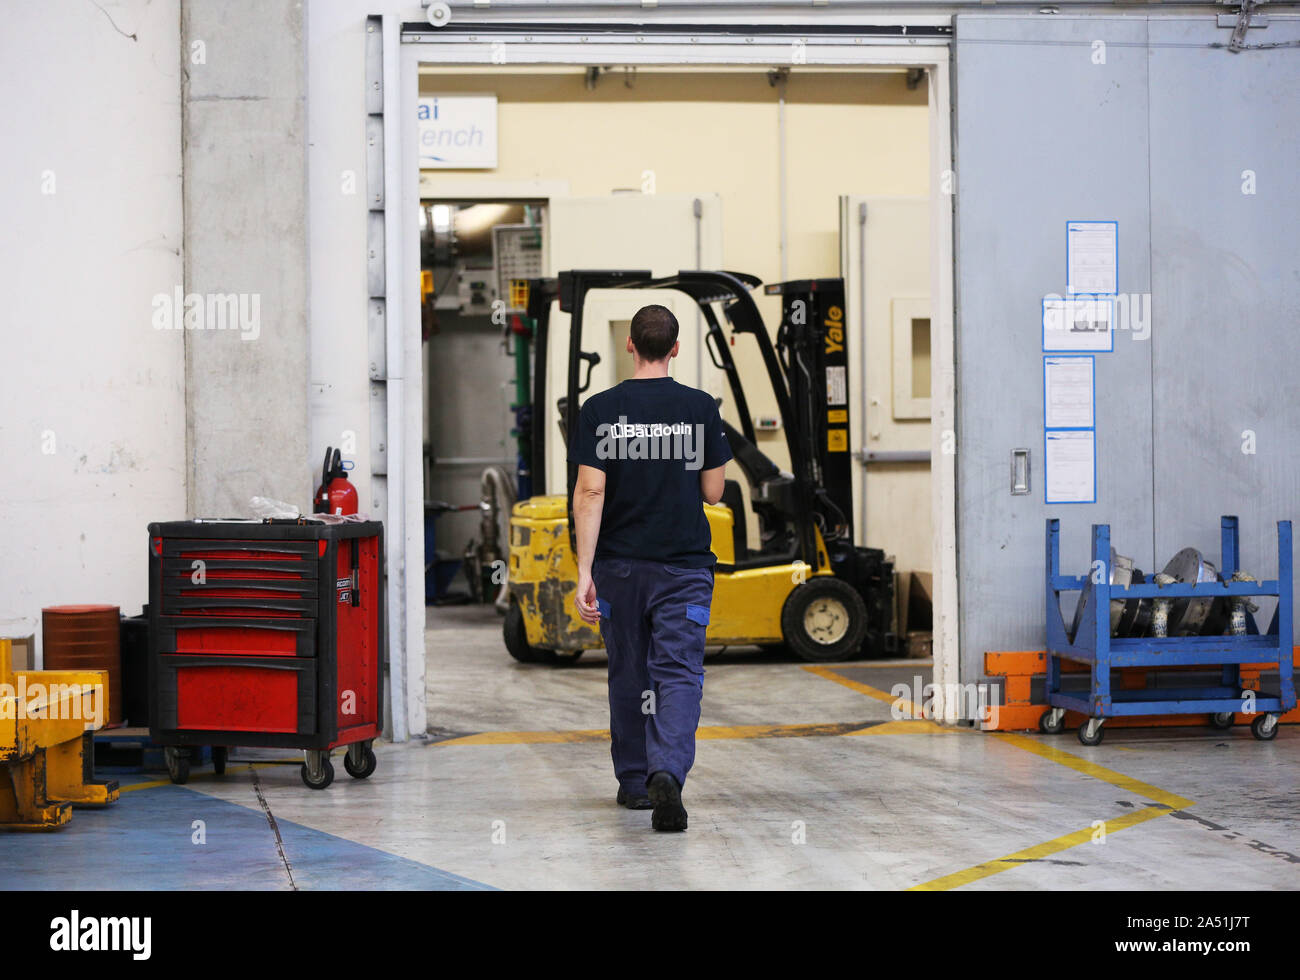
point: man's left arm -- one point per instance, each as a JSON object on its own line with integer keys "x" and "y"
{"x": 717, "y": 452}
{"x": 712, "y": 483}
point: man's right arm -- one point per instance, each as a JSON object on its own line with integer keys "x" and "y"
{"x": 588, "y": 505}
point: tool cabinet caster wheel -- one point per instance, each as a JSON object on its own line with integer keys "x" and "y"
{"x": 1222, "y": 720}
{"x": 178, "y": 764}
{"x": 326, "y": 775}
{"x": 366, "y": 765}
{"x": 1264, "y": 727}
{"x": 219, "y": 755}
{"x": 1091, "y": 732}
{"x": 1052, "y": 721}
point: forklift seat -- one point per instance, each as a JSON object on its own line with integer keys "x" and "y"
{"x": 731, "y": 497}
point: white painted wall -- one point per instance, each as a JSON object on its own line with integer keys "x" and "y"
{"x": 94, "y": 116}
{"x": 339, "y": 405}
{"x": 339, "y": 400}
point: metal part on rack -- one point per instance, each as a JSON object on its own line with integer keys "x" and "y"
{"x": 1188, "y": 616}
{"x": 1160, "y": 611}
{"x": 1237, "y": 622}
{"x": 1121, "y": 574}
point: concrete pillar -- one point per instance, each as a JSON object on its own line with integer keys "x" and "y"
{"x": 245, "y": 186}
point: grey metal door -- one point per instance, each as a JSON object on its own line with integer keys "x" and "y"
{"x": 1142, "y": 121}
{"x": 1044, "y": 135}
{"x": 1225, "y": 248}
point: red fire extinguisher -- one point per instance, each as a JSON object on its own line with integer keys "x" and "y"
{"x": 335, "y": 495}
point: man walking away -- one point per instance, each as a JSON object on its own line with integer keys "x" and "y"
{"x": 649, "y": 451}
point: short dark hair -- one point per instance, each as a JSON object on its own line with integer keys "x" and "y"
{"x": 654, "y": 331}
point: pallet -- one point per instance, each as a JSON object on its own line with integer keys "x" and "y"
{"x": 1019, "y": 709}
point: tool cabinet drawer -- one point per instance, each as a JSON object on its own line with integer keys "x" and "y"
{"x": 235, "y": 578}
{"x": 217, "y": 636}
{"x": 236, "y": 694}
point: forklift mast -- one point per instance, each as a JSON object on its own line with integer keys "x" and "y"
{"x": 812, "y": 344}
{"x": 537, "y": 316}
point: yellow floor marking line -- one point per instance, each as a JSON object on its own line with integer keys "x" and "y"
{"x": 1037, "y": 852}
{"x": 206, "y": 776}
{"x": 1080, "y": 765}
{"x": 1167, "y": 801}
{"x": 151, "y": 785}
{"x": 867, "y": 689}
{"x": 909, "y": 726}
{"x": 706, "y": 732}
{"x": 1028, "y": 744}
{"x": 527, "y": 738}
{"x": 777, "y": 731}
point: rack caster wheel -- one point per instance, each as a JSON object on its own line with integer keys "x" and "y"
{"x": 1091, "y": 732}
{"x": 219, "y": 756}
{"x": 1052, "y": 721}
{"x": 1264, "y": 727}
{"x": 364, "y": 763}
{"x": 178, "y": 764}
{"x": 322, "y": 777}
{"x": 1222, "y": 720}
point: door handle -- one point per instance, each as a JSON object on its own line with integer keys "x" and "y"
{"x": 1019, "y": 472}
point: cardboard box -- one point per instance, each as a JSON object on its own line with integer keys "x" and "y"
{"x": 24, "y": 651}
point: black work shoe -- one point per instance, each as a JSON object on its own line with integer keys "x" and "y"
{"x": 666, "y": 795}
{"x": 633, "y": 801}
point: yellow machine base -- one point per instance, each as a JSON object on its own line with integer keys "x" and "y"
{"x": 46, "y": 751}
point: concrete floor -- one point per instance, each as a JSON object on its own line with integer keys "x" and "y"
{"x": 802, "y": 780}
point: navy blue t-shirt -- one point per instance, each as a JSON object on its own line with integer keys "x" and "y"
{"x": 652, "y": 437}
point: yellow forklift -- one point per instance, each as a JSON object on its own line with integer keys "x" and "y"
{"x": 806, "y": 586}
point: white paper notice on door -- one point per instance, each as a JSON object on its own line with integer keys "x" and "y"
{"x": 1068, "y": 393}
{"x": 1078, "y": 323}
{"x": 1070, "y": 466}
{"x": 1092, "y": 256}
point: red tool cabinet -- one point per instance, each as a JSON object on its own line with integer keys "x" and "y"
{"x": 267, "y": 633}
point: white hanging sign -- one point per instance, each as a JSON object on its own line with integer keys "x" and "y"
{"x": 458, "y": 132}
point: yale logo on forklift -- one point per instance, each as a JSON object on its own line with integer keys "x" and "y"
{"x": 834, "y": 324}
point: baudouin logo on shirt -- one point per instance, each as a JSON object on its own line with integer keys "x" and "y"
{"x": 651, "y": 440}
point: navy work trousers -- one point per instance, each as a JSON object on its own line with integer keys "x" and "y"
{"x": 653, "y": 618}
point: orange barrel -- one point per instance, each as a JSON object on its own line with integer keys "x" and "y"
{"x": 86, "y": 638}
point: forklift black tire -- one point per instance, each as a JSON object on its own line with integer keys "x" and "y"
{"x": 824, "y": 620}
{"x": 512, "y": 629}
{"x": 368, "y": 763}
{"x": 327, "y": 775}
{"x": 178, "y": 764}
{"x": 219, "y": 756}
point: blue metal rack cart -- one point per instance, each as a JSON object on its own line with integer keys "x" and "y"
{"x": 1093, "y": 644}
